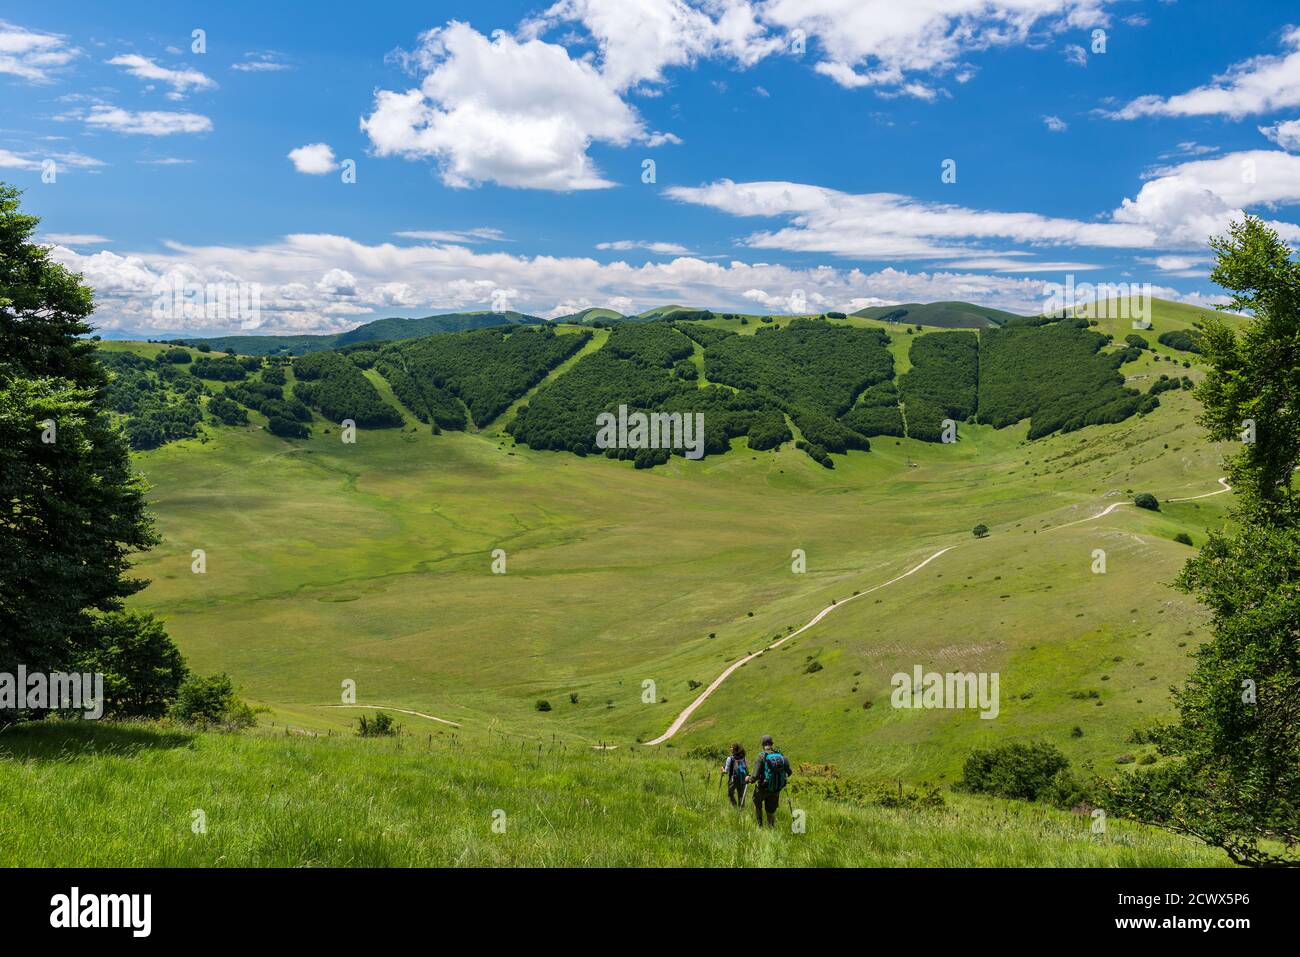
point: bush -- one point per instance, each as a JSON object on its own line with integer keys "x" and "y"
{"x": 211, "y": 701}
{"x": 287, "y": 428}
{"x": 980, "y": 531}
{"x": 1182, "y": 538}
{"x": 1024, "y": 771}
{"x": 543, "y": 705}
{"x": 1146, "y": 500}
{"x": 227, "y": 412}
{"x": 142, "y": 668}
{"x": 381, "y": 726}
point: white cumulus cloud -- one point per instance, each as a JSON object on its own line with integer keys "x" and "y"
{"x": 314, "y": 159}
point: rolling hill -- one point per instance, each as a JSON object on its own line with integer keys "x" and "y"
{"x": 380, "y": 330}
{"x": 944, "y": 315}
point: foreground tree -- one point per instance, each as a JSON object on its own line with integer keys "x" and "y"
{"x": 1234, "y": 777}
{"x": 73, "y": 510}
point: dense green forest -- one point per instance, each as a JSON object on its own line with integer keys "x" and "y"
{"x": 829, "y": 385}
{"x": 635, "y": 369}
{"x": 333, "y": 385}
{"x": 877, "y": 412}
{"x": 1054, "y": 374}
{"x": 486, "y": 369}
{"x": 159, "y": 401}
{"x": 943, "y": 382}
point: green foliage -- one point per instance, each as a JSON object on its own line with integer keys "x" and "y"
{"x": 158, "y": 404}
{"x": 142, "y": 668}
{"x": 381, "y": 725}
{"x": 877, "y": 412}
{"x": 943, "y": 382}
{"x": 227, "y": 411}
{"x": 1053, "y": 373}
{"x": 486, "y": 369}
{"x": 1146, "y": 500}
{"x": 1236, "y": 783}
{"x": 812, "y": 370}
{"x": 330, "y": 383}
{"x": 1137, "y": 342}
{"x": 222, "y": 369}
{"x": 980, "y": 531}
{"x": 635, "y": 369}
{"x": 287, "y": 428}
{"x": 74, "y": 510}
{"x": 1019, "y": 770}
{"x": 1163, "y": 384}
{"x": 1182, "y": 340}
{"x": 178, "y": 356}
{"x": 211, "y": 703}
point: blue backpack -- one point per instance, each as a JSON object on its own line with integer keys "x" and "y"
{"x": 739, "y": 770}
{"x": 774, "y": 773}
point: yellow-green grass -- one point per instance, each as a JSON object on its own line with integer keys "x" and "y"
{"x": 125, "y": 795}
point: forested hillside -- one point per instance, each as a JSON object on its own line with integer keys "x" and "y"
{"x": 829, "y": 384}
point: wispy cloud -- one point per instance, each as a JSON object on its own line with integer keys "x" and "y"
{"x": 147, "y": 122}
{"x": 32, "y": 55}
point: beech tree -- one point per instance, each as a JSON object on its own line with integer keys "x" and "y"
{"x": 74, "y": 512}
{"x": 1233, "y": 778}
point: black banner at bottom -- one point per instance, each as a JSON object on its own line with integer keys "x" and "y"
{"x": 331, "y": 906}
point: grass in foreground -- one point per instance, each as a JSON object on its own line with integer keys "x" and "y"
{"x": 75, "y": 794}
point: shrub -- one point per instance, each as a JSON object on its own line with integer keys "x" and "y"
{"x": 1146, "y": 500}
{"x": 142, "y": 668}
{"x": 980, "y": 531}
{"x": 1019, "y": 770}
{"x": 1182, "y": 538}
{"x": 381, "y": 726}
{"x": 543, "y": 705}
{"x": 211, "y": 701}
{"x": 287, "y": 428}
{"x": 227, "y": 412}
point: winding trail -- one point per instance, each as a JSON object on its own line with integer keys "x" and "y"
{"x": 384, "y": 707}
{"x": 1220, "y": 491}
{"x": 690, "y": 709}
{"x": 682, "y": 718}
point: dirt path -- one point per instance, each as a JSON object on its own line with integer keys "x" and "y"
{"x": 1220, "y": 491}
{"x": 690, "y": 709}
{"x": 381, "y": 707}
{"x": 682, "y": 718}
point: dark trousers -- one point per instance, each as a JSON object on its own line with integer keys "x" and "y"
{"x": 766, "y": 802}
{"x": 734, "y": 789}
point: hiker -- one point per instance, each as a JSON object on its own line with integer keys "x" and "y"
{"x": 771, "y": 771}
{"x": 735, "y": 770}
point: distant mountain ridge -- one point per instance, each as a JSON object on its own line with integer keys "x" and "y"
{"x": 942, "y": 315}
{"x": 380, "y": 330}
{"x": 945, "y": 315}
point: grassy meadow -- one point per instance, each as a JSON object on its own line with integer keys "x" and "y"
{"x": 625, "y": 593}
{"x": 142, "y": 796}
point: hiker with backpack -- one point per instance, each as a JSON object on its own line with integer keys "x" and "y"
{"x": 771, "y": 772}
{"x": 735, "y": 770}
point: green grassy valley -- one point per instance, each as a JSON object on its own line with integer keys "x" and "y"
{"x": 458, "y": 579}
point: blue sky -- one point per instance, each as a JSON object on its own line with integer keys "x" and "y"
{"x": 499, "y": 151}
